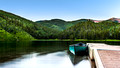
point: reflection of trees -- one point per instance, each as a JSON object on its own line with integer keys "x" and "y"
{"x": 9, "y": 51}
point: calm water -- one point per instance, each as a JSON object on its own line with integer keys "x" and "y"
{"x": 41, "y": 55}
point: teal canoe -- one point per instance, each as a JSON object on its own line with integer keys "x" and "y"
{"x": 77, "y": 49}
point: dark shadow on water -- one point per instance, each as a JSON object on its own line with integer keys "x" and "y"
{"x": 75, "y": 59}
{"x": 12, "y": 50}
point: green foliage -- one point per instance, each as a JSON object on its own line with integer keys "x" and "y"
{"x": 16, "y": 28}
{"x": 57, "y": 24}
{"x": 22, "y": 29}
{"x": 5, "y": 36}
{"x": 90, "y": 30}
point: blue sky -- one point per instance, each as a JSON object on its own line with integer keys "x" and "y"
{"x": 62, "y": 9}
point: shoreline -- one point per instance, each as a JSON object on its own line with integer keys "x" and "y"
{"x": 107, "y": 40}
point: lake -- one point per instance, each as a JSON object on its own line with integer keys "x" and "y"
{"x": 42, "y": 54}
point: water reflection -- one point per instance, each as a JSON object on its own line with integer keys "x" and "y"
{"x": 75, "y": 59}
{"x": 52, "y": 60}
{"x": 12, "y": 50}
{"x": 40, "y": 55}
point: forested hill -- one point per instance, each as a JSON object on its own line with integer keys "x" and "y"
{"x": 59, "y": 24}
{"x": 90, "y": 30}
{"x": 56, "y": 24}
{"x": 16, "y": 28}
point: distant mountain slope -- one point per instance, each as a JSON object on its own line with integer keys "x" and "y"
{"x": 60, "y": 24}
{"x": 91, "y": 30}
{"x": 97, "y": 21}
{"x": 117, "y": 20}
{"x": 20, "y": 28}
{"x": 56, "y": 24}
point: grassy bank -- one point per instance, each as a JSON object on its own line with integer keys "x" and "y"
{"x": 74, "y": 40}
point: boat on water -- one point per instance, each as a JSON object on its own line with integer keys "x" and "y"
{"x": 78, "y": 49}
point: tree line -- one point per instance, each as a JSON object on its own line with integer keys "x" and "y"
{"x": 16, "y": 28}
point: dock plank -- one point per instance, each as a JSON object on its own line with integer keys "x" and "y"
{"x": 92, "y": 46}
{"x": 104, "y": 56}
{"x": 110, "y": 58}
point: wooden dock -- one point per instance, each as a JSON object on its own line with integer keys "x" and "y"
{"x": 105, "y": 56}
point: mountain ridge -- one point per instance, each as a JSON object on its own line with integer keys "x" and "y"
{"x": 96, "y": 21}
{"x": 61, "y": 25}
{"x": 16, "y": 28}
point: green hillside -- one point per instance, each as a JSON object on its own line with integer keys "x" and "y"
{"x": 59, "y": 24}
{"x": 91, "y": 30}
{"x": 56, "y": 24}
{"x": 14, "y": 27}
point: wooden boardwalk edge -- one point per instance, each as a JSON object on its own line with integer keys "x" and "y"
{"x": 97, "y": 59}
{"x": 100, "y": 57}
